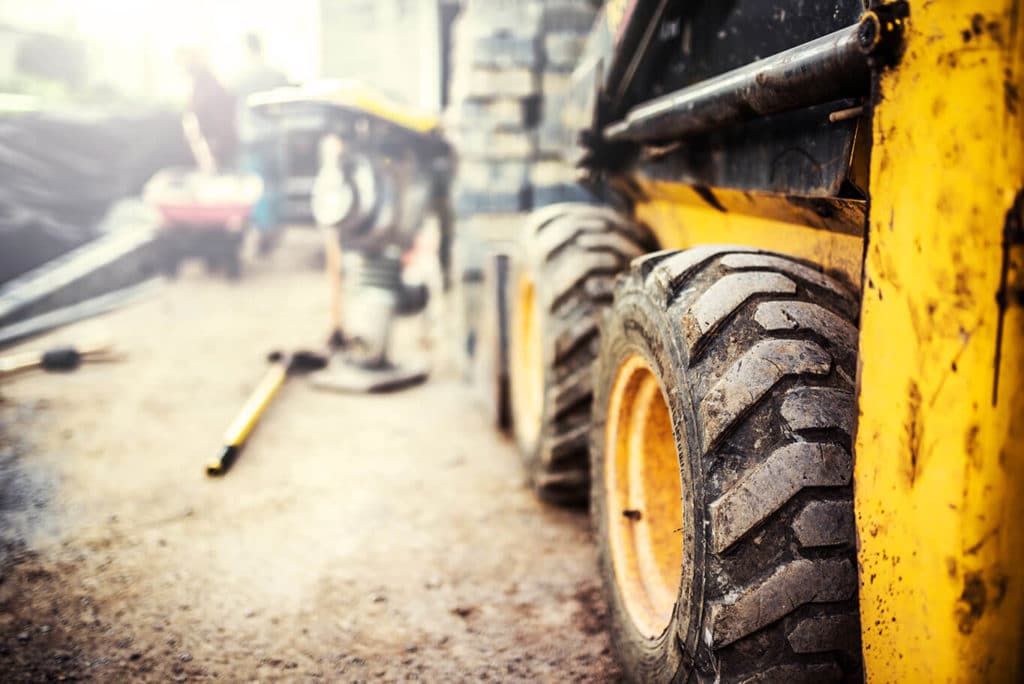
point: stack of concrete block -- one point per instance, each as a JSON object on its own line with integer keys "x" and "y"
{"x": 494, "y": 103}
{"x": 565, "y": 26}
{"x": 507, "y": 56}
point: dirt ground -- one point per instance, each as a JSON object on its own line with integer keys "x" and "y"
{"x": 359, "y": 538}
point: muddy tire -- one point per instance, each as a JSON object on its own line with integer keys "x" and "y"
{"x": 721, "y": 469}
{"x": 561, "y": 286}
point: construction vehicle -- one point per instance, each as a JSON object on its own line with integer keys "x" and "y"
{"x": 783, "y": 356}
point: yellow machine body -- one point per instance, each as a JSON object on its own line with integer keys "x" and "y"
{"x": 940, "y": 447}
{"x": 355, "y": 96}
{"x": 938, "y": 254}
{"x": 681, "y": 216}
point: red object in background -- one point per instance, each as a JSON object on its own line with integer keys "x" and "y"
{"x": 185, "y": 217}
{"x": 193, "y": 199}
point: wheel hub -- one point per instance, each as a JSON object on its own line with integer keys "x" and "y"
{"x": 644, "y": 490}
{"x": 527, "y": 381}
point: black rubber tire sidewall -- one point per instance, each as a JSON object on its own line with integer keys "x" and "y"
{"x": 634, "y": 326}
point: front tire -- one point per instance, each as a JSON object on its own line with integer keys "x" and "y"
{"x": 722, "y": 467}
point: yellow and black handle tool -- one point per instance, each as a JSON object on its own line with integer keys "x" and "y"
{"x": 281, "y": 366}
{"x": 56, "y": 359}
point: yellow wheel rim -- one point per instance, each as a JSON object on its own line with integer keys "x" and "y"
{"x": 527, "y": 379}
{"x": 644, "y": 493}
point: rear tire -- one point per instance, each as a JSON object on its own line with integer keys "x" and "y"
{"x": 169, "y": 266}
{"x": 561, "y": 287}
{"x": 233, "y": 266}
{"x": 168, "y": 256}
{"x": 722, "y": 496}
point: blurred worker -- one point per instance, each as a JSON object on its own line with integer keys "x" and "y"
{"x": 259, "y": 144}
{"x": 210, "y": 120}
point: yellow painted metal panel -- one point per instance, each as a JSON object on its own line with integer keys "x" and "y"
{"x": 940, "y": 445}
{"x": 824, "y": 231}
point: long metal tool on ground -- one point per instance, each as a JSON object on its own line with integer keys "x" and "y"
{"x": 281, "y": 367}
{"x": 55, "y": 359}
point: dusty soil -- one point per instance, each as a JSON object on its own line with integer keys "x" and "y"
{"x": 359, "y": 538}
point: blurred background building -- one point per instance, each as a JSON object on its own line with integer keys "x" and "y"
{"x": 129, "y": 47}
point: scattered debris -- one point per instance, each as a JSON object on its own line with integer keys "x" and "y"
{"x": 463, "y": 611}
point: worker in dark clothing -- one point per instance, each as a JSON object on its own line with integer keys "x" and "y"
{"x": 210, "y": 122}
{"x": 257, "y": 76}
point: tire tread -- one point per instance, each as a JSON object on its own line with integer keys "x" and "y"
{"x": 576, "y": 253}
{"x": 767, "y": 347}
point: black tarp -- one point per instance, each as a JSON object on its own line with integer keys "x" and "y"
{"x": 61, "y": 170}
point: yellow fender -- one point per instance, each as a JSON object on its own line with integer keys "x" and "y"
{"x": 940, "y": 448}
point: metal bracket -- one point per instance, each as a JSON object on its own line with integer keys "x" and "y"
{"x": 881, "y": 33}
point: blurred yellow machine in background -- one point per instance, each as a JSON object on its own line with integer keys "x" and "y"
{"x": 375, "y": 171}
